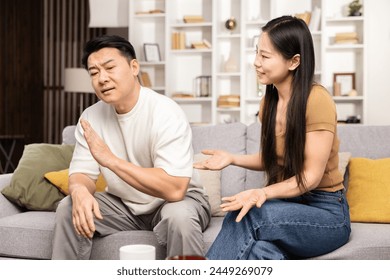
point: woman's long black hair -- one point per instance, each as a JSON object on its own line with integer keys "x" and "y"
{"x": 290, "y": 36}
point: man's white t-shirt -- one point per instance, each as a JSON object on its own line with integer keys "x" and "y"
{"x": 155, "y": 133}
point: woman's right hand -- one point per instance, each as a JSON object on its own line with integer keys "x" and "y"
{"x": 219, "y": 159}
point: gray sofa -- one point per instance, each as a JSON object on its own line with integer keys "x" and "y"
{"x": 28, "y": 234}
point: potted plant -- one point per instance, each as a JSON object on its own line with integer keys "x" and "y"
{"x": 354, "y": 8}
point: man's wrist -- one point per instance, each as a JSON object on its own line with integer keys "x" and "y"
{"x": 74, "y": 188}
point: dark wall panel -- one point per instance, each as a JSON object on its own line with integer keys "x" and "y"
{"x": 21, "y": 71}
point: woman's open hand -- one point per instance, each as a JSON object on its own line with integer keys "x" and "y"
{"x": 219, "y": 159}
{"x": 244, "y": 200}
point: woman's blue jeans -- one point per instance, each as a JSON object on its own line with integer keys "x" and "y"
{"x": 310, "y": 225}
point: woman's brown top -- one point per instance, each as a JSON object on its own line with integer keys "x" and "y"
{"x": 320, "y": 115}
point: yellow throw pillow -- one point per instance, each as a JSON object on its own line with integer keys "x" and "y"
{"x": 368, "y": 192}
{"x": 60, "y": 180}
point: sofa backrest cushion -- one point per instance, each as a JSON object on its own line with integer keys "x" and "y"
{"x": 365, "y": 141}
{"x": 254, "y": 179}
{"x": 68, "y": 135}
{"x": 230, "y": 137}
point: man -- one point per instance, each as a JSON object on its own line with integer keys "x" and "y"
{"x": 141, "y": 142}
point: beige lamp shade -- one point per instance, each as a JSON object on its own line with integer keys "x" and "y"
{"x": 77, "y": 80}
{"x": 108, "y": 13}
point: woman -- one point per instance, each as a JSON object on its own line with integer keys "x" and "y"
{"x": 302, "y": 211}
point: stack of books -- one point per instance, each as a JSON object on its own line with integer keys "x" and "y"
{"x": 192, "y": 19}
{"x": 205, "y": 44}
{"x": 346, "y": 38}
{"x": 178, "y": 40}
{"x": 227, "y": 101}
{"x": 156, "y": 11}
{"x": 182, "y": 95}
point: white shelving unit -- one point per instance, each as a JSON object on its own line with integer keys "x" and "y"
{"x": 185, "y": 65}
{"x": 147, "y": 24}
{"x": 178, "y": 69}
{"x": 344, "y": 58}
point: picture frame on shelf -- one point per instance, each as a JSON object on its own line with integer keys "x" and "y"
{"x": 343, "y": 84}
{"x": 152, "y": 52}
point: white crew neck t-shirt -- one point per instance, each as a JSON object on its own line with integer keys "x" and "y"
{"x": 155, "y": 133}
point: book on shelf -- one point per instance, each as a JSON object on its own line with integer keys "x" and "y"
{"x": 346, "y": 35}
{"x": 227, "y": 101}
{"x": 198, "y": 45}
{"x": 182, "y": 95}
{"x": 346, "y": 38}
{"x": 156, "y": 11}
{"x": 144, "y": 79}
{"x": 347, "y": 41}
{"x": 312, "y": 19}
{"x": 178, "y": 41}
{"x": 204, "y": 44}
{"x": 207, "y": 43}
{"x": 193, "y": 18}
{"x": 304, "y": 16}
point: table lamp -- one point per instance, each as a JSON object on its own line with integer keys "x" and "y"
{"x": 78, "y": 80}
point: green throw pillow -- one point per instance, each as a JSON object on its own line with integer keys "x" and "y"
{"x": 28, "y": 186}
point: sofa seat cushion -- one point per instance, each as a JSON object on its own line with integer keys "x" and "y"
{"x": 367, "y": 242}
{"x": 32, "y": 232}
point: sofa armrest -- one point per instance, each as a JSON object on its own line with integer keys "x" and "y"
{"x": 7, "y": 208}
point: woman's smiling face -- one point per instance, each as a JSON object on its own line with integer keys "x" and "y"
{"x": 271, "y": 66}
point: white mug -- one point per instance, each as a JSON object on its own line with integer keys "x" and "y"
{"x": 137, "y": 252}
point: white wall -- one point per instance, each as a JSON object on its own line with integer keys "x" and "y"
{"x": 378, "y": 56}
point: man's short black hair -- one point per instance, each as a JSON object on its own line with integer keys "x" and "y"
{"x": 108, "y": 41}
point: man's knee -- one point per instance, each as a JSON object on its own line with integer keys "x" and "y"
{"x": 180, "y": 218}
